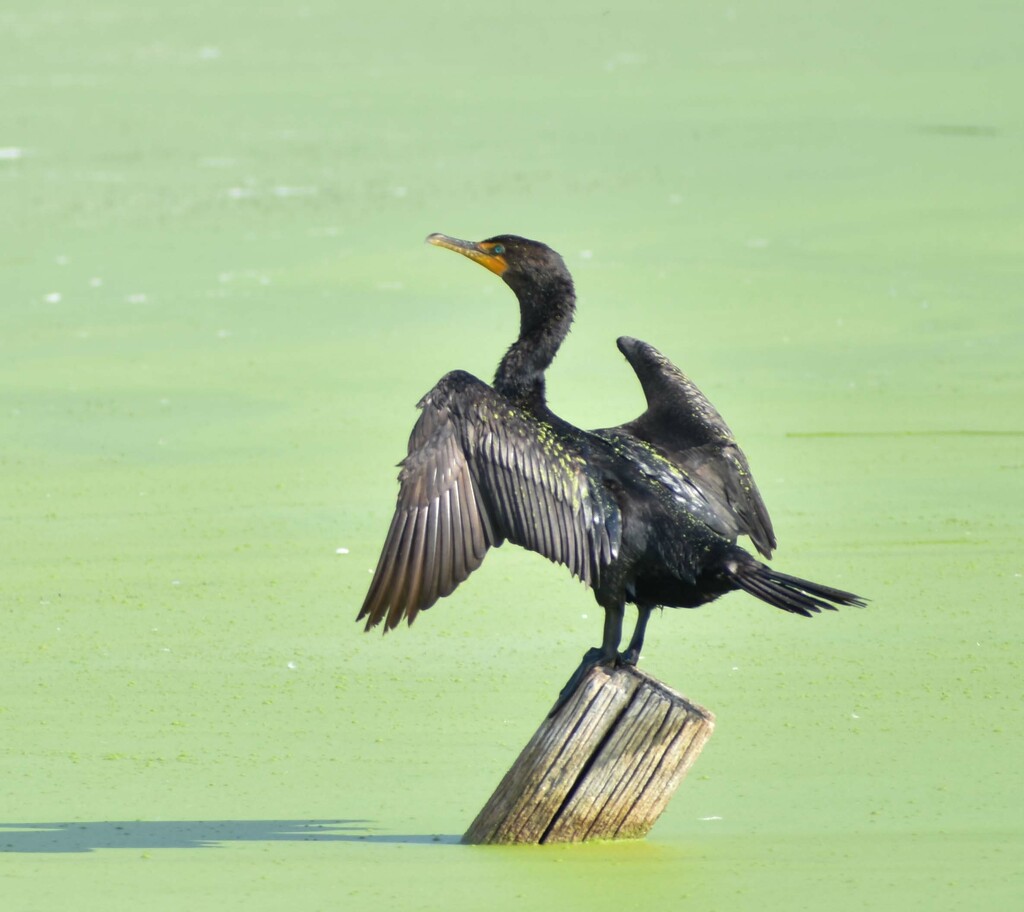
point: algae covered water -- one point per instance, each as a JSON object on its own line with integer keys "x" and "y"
{"x": 217, "y": 315}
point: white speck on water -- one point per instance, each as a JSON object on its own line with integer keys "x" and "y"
{"x": 735, "y": 667}
{"x": 341, "y": 551}
{"x": 924, "y": 305}
{"x": 223, "y": 333}
{"x": 709, "y": 818}
{"x": 283, "y": 191}
{"x": 106, "y": 177}
{"x": 240, "y": 192}
{"x": 674, "y": 199}
{"x": 216, "y": 161}
{"x": 61, "y": 260}
{"x": 11, "y": 153}
{"x": 584, "y": 616}
{"x": 621, "y": 59}
{"x": 399, "y": 192}
{"x": 854, "y": 716}
{"x": 245, "y": 274}
{"x": 209, "y": 52}
{"x": 175, "y": 583}
{"x": 137, "y": 298}
{"x": 586, "y": 254}
{"x": 293, "y": 665}
{"x": 95, "y": 282}
{"x": 53, "y": 297}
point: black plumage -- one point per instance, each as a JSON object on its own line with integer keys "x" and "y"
{"x": 648, "y": 512}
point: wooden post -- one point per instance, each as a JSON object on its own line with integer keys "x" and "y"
{"x": 603, "y": 767}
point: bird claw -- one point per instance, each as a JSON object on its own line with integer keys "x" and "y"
{"x": 629, "y": 658}
{"x": 592, "y": 658}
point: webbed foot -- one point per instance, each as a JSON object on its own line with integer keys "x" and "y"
{"x": 630, "y": 657}
{"x": 591, "y": 659}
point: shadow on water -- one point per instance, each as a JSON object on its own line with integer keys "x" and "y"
{"x": 86, "y": 836}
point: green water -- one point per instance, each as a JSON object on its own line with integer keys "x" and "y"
{"x": 217, "y": 314}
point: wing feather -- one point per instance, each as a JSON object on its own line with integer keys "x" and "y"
{"x": 681, "y": 423}
{"x": 417, "y": 554}
{"x": 431, "y": 565}
{"x": 478, "y": 472}
{"x": 459, "y": 524}
{"x": 447, "y": 562}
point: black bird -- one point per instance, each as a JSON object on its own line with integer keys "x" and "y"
{"x": 648, "y": 512}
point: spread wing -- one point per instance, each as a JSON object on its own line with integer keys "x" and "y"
{"x": 689, "y": 431}
{"x": 480, "y": 471}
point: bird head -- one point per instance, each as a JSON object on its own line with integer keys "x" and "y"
{"x": 535, "y": 272}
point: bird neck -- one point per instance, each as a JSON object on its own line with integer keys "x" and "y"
{"x": 545, "y": 317}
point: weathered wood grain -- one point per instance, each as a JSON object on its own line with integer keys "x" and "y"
{"x": 604, "y": 767}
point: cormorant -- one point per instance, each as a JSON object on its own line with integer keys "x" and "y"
{"x": 647, "y": 512}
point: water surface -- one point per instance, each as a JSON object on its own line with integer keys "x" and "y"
{"x": 218, "y": 313}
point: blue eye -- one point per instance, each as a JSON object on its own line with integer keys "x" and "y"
{"x": 498, "y": 249}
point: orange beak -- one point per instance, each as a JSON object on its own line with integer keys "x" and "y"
{"x": 478, "y": 253}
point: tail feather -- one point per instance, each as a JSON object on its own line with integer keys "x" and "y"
{"x": 790, "y": 593}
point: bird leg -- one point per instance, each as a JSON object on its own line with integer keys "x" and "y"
{"x": 632, "y": 654}
{"x": 605, "y": 654}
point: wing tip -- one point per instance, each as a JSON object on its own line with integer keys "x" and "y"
{"x": 371, "y": 617}
{"x": 627, "y": 344}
